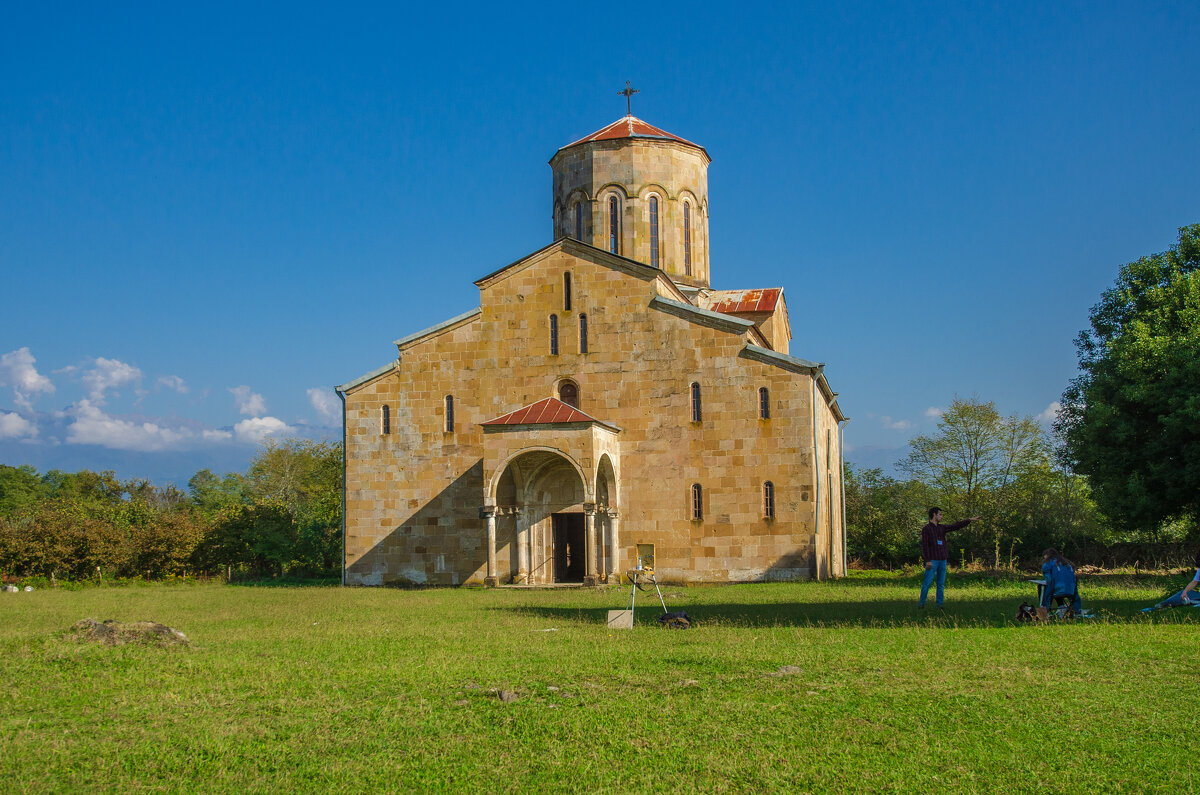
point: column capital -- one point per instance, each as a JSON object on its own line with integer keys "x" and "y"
{"x": 589, "y": 508}
{"x": 487, "y": 511}
{"x": 611, "y": 513}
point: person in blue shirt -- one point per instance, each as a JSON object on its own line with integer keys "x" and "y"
{"x": 1191, "y": 586}
{"x": 1060, "y": 581}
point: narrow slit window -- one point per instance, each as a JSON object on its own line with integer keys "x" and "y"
{"x": 764, "y": 403}
{"x": 654, "y": 231}
{"x": 554, "y": 335}
{"x": 583, "y": 342}
{"x": 385, "y": 420}
{"x": 566, "y": 292}
{"x": 569, "y": 393}
{"x": 449, "y": 413}
{"x": 687, "y": 239}
{"x": 696, "y": 415}
{"x": 614, "y": 230}
{"x": 697, "y": 501}
{"x": 768, "y": 500}
{"x": 578, "y": 221}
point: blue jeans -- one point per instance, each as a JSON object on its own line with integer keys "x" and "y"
{"x": 937, "y": 568}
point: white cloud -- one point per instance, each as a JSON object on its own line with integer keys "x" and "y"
{"x": 1050, "y": 413}
{"x": 326, "y": 403}
{"x": 895, "y": 425}
{"x": 174, "y": 383}
{"x": 14, "y": 426}
{"x": 91, "y": 425}
{"x": 108, "y": 374}
{"x": 17, "y": 371}
{"x": 933, "y": 412}
{"x": 248, "y": 402}
{"x": 259, "y": 428}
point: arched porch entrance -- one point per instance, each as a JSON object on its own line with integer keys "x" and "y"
{"x": 544, "y": 523}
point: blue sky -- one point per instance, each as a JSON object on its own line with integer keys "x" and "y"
{"x": 209, "y": 216}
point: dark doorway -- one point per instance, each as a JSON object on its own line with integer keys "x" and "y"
{"x": 569, "y": 555}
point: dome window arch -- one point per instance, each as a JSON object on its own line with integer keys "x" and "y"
{"x": 653, "y": 231}
{"x": 687, "y": 239}
{"x": 614, "y": 224}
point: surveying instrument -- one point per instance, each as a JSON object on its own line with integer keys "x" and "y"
{"x": 642, "y": 578}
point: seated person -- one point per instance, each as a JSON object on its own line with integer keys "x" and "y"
{"x": 1060, "y": 581}
{"x": 1185, "y": 597}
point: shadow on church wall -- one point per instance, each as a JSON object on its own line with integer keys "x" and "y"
{"x": 443, "y": 543}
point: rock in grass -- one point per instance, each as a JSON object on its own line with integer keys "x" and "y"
{"x": 787, "y": 670}
{"x": 508, "y": 696}
{"x": 114, "y": 633}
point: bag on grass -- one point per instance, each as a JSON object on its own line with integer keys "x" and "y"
{"x": 680, "y": 620}
{"x": 1026, "y": 612}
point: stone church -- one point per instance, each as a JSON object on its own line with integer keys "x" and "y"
{"x": 603, "y": 405}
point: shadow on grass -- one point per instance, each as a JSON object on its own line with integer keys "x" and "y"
{"x": 969, "y": 611}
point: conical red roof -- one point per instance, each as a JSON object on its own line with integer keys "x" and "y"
{"x": 631, "y": 127}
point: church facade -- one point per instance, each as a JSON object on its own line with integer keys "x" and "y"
{"x": 603, "y": 405}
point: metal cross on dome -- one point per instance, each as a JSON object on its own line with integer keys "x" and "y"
{"x": 627, "y": 93}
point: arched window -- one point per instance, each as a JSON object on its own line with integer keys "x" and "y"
{"x": 768, "y": 500}
{"x": 697, "y": 501}
{"x": 449, "y": 413}
{"x": 687, "y": 239}
{"x": 695, "y": 402}
{"x": 566, "y": 292}
{"x": 583, "y": 333}
{"x": 654, "y": 231}
{"x": 569, "y": 393}
{"x": 764, "y": 403}
{"x": 385, "y": 420}
{"x": 578, "y": 221}
{"x": 554, "y": 335}
{"x": 614, "y": 225}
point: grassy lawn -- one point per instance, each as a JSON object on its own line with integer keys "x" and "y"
{"x": 359, "y": 690}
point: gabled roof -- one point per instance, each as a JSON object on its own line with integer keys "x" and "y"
{"x": 734, "y": 301}
{"x": 632, "y": 127}
{"x": 549, "y": 411}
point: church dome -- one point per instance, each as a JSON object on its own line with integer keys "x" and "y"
{"x": 638, "y": 191}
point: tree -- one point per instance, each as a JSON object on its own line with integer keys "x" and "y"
{"x": 882, "y": 515}
{"x": 1130, "y": 421}
{"x": 978, "y": 462}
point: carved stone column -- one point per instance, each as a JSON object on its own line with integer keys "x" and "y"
{"x": 589, "y": 524}
{"x": 490, "y": 580}
{"x": 523, "y": 555}
{"x": 614, "y": 541}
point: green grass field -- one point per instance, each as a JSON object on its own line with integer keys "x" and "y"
{"x": 361, "y": 690}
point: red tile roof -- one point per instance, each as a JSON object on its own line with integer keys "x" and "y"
{"x": 736, "y": 301}
{"x": 631, "y": 127}
{"x": 550, "y": 410}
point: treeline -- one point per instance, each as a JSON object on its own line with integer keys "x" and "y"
{"x": 282, "y": 516}
{"x": 978, "y": 462}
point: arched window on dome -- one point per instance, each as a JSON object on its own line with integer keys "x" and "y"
{"x": 567, "y": 291}
{"x": 687, "y": 239}
{"x": 654, "y": 231}
{"x": 614, "y": 225}
{"x": 578, "y": 220}
{"x": 568, "y": 393}
{"x": 554, "y": 335}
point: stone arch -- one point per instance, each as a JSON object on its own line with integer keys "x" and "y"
{"x": 522, "y": 477}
